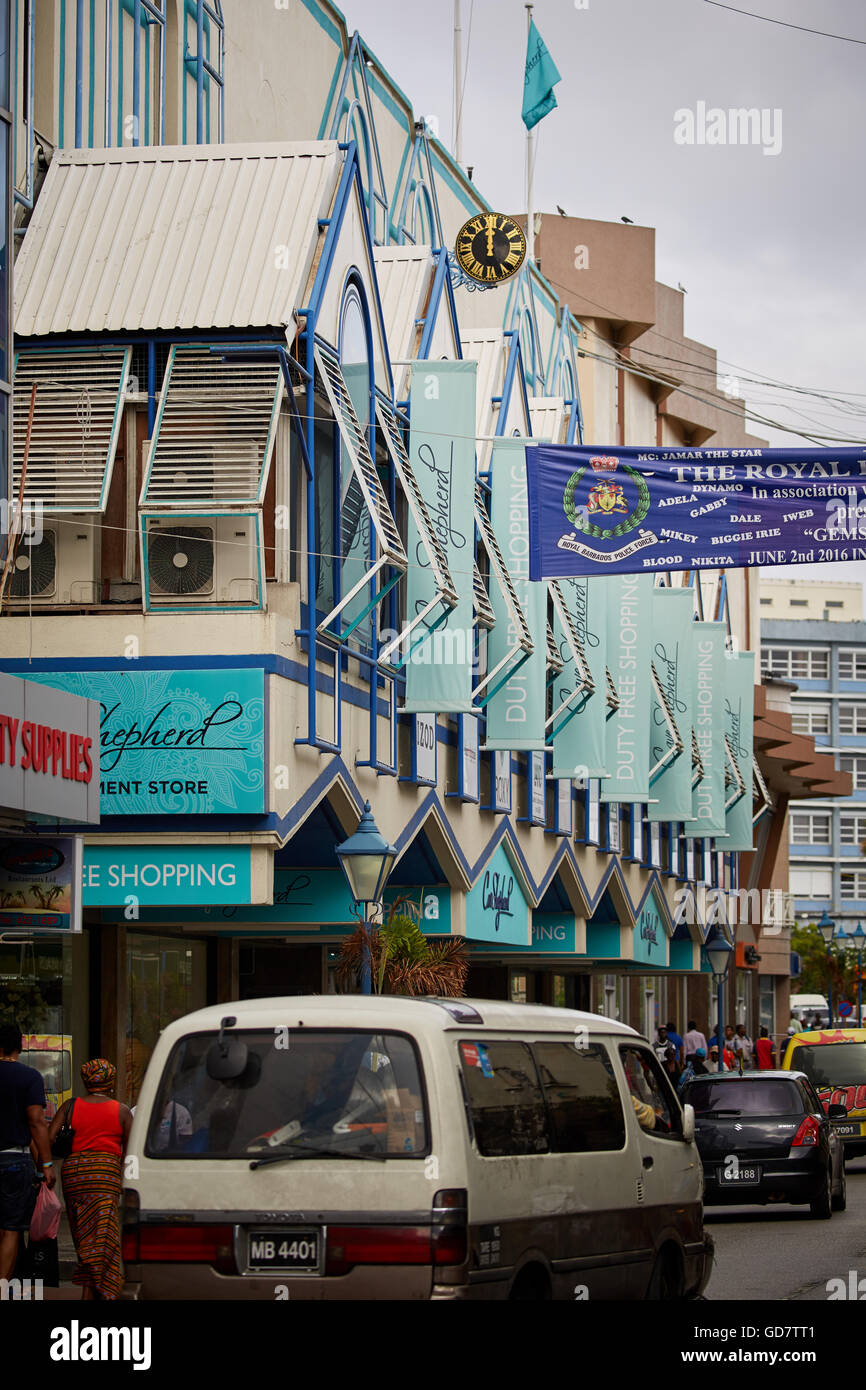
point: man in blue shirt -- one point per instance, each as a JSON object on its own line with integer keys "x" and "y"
{"x": 23, "y": 1133}
{"x": 674, "y": 1037}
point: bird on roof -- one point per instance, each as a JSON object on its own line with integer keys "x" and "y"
{"x": 627, "y": 219}
{"x": 560, "y": 210}
{"x": 682, "y": 289}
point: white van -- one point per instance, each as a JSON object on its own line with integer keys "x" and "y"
{"x": 365, "y": 1147}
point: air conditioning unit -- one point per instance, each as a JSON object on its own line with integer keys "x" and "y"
{"x": 202, "y": 559}
{"x": 61, "y": 568}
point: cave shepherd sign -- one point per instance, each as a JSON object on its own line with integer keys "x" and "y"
{"x": 176, "y": 742}
{"x": 632, "y": 511}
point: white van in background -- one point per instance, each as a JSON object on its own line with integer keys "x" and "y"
{"x": 810, "y": 1006}
{"x": 357, "y": 1147}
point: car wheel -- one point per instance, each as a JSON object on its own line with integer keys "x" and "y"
{"x": 840, "y": 1201}
{"x": 822, "y": 1205}
{"x": 666, "y": 1282}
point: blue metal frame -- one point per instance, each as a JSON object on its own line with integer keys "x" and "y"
{"x": 417, "y": 178}
{"x": 560, "y": 827}
{"x": 461, "y": 793}
{"x": 208, "y": 17}
{"x": 26, "y": 196}
{"x": 347, "y": 110}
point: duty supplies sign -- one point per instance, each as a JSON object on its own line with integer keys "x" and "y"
{"x": 629, "y": 511}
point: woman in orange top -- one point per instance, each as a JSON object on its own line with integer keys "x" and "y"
{"x": 92, "y": 1178}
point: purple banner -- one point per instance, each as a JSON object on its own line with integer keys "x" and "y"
{"x": 632, "y": 511}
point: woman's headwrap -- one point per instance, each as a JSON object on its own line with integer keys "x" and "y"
{"x": 99, "y": 1074}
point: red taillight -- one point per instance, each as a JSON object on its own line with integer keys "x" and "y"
{"x": 210, "y": 1245}
{"x": 807, "y": 1133}
{"x": 393, "y": 1245}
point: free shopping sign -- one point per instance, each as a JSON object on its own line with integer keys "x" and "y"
{"x": 630, "y": 511}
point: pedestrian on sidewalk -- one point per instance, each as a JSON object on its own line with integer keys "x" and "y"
{"x": 23, "y": 1138}
{"x": 92, "y": 1178}
{"x": 744, "y": 1047}
{"x": 694, "y": 1039}
{"x": 765, "y": 1052}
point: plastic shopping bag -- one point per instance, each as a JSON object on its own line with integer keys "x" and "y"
{"x": 45, "y": 1222}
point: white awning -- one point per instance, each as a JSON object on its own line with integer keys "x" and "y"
{"x": 173, "y": 237}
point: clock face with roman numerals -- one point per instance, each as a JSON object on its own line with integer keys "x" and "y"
{"x": 490, "y": 247}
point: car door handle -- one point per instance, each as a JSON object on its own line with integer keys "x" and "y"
{"x": 647, "y": 1160}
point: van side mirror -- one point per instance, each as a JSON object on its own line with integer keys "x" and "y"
{"x": 837, "y": 1112}
{"x": 227, "y": 1057}
{"x": 689, "y": 1123}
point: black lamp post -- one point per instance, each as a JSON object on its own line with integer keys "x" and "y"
{"x": 366, "y": 859}
{"x": 827, "y": 927}
{"x": 719, "y": 951}
{"x": 854, "y": 942}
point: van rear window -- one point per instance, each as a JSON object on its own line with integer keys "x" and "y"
{"x": 340, "y": 1090}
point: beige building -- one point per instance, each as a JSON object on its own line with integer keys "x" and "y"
{"x": 825, "y": 599}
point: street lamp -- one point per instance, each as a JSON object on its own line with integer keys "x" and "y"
{"x": 366, "y": 859}
{"x": 719, "y": 951}
{"x": 827, "y": 928}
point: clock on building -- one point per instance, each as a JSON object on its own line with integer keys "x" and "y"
{"x": 490, "y": 248}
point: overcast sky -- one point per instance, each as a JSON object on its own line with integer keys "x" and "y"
{"x": 769, "y": 247}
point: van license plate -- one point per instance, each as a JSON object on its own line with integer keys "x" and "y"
{"x": 744, "y": 1174}
{"x": 294, "y": 1249}
{"x": 847, "y": 1129}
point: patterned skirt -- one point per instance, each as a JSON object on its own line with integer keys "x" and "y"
{"x": 91, "y": 1188}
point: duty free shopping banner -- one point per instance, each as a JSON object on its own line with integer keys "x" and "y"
{"x": 632, "y": 511}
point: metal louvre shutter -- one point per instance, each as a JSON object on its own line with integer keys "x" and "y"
{"x": 522, "y": 645}
{"x": 215, "y": 431}
{"x": 76, "y": 425}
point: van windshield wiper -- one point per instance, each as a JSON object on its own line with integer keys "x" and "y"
{"x": 724, "y": 1112}
{"x": 291, "y": 1151}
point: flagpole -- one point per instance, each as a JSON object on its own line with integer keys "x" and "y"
{"x": 530, "y": 167}
{"x": 458, "y": 85}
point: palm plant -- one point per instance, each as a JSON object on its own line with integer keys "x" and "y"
{"x": 402, "y": 959}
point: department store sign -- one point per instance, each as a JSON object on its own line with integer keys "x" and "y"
{"x": 176, "y": 742}
{"x": 312, "y": 900}
{"x": 134, "y": 876}
{"x": 650, "y": 936}
{"x": 496, "y": 909}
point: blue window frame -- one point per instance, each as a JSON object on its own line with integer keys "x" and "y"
{"x": 203, "y": 97}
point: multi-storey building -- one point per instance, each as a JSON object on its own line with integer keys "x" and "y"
{"x": 233, "y": 282}
{"x": 830, "y": 600}
{"x": 827, "y": 662}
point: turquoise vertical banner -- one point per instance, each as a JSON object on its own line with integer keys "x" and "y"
{"x": 708, "y": 797}
{"x": 442, "y": 453}
{"x": 581, "y": 742}
{"x": 516, "y": 713}
{"x": 739, "y": 725}
{"x": 672, "y": 655}
{"x": 629, "y": 643}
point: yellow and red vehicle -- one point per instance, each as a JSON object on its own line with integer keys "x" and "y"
{"x": 51, "y": 1055}
{"x": 834, "y": 1059}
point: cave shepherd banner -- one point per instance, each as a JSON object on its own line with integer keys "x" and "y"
{"x": 442, "y": 452}
{"x": 579, "y": 746}
{"x": 629, "y": 511}
{"x": 708, "y": 693}
{"x": 739, "y": 727}
{"x": 674, "y": 631}
{"x": 629, "y": 643}
{"x": 516, "y": 713}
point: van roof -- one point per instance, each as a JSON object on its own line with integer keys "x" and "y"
{"x": 395, "y": 1011}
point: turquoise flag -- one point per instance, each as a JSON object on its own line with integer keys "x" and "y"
{"x": 442, "y": 452}
{"x": 516, "y": 712}
{"x": 708, "y": 798}
{"x": 673, "y": 657}
{"x": 739, "y": 727}
{"x": 579, "y": 746}
{"x": 629, "y": 644}
{"x": 541, "y": 77}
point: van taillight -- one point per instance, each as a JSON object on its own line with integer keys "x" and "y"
{"x": 807, "y": 1133}
{"x": 175, "y": 1244}
{"x": 443, "y": 1243}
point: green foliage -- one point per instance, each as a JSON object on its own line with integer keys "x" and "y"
{"x": 819, "y": 966}
{"x": 402, "y": 959}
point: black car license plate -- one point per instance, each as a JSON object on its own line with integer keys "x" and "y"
{"x": 293, "y": 1249}
{"x": 742, "y": 1176}
{"x": 847, "y": 1129}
